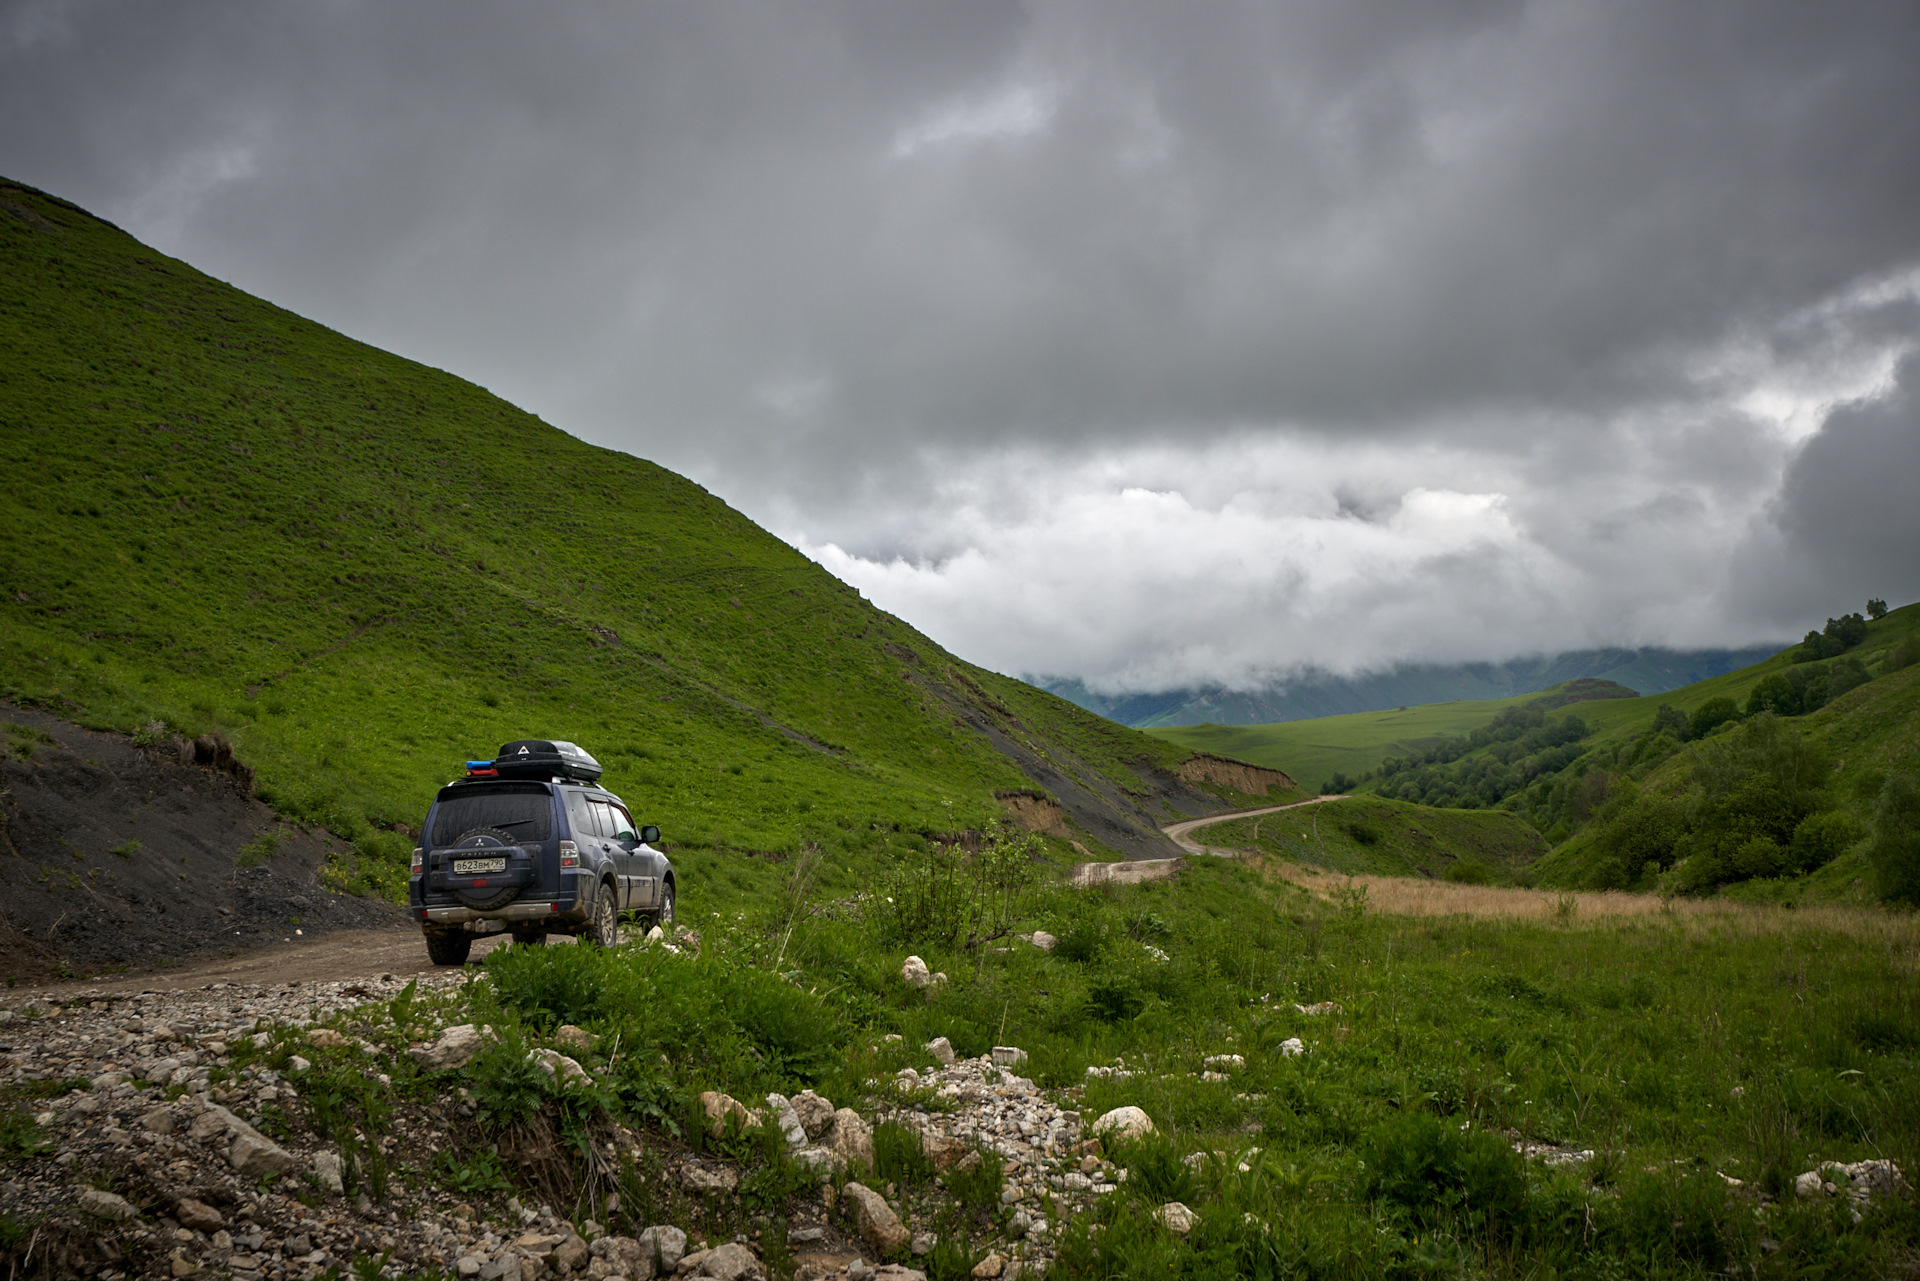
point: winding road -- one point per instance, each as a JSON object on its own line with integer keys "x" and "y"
{"x": 1178, "y": 831}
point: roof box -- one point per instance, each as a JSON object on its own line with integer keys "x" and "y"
{"x": 546, "y": 758}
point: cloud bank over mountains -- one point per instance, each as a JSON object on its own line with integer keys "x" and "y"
{"x": 1151, "y": 345}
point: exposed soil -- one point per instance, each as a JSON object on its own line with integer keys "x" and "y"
{"x": 1125, "y": 821}
{"x": 117, "y": 856}
{"x": 1254, "y": 780}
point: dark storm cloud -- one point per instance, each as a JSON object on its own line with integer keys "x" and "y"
{"x": 895, "y": 276}
{"x": 1845, "y": 526}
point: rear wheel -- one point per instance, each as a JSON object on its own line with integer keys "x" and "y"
{"x": 449, "y": 949}
{"x": 606, "y": 919}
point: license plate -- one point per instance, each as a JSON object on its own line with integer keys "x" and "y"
{"x": 463, "y": 866}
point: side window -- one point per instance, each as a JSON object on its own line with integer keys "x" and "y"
{"x": 580, "y": 811}
{"x": 622, "y": 829}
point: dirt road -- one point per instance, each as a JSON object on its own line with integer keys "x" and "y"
{"x": 1178, "y": 831}
{"x": 347, "y": 954}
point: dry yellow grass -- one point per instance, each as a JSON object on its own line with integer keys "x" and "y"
{"x": 1406, "y": 896}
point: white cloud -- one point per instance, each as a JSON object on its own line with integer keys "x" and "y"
{"x": 1013, "y": 112}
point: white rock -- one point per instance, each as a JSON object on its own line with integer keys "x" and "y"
{"x": 297, "y": 1064}
{"x": 788, "y": 1119}
{"x": 914, "y": 971}
{"x": 562, "y": 1069}
{"x": 107, "y": 1205}
{"x": 664, "y": 1242}
{"x": 1008, "y": 1056}
{"x": 1042, "y": 940}
{"x": 1223, "y": 1062}
{"x": 455, "y": 1048}
{"x": 720, "y": 1107}
{"x": 1175, "y": 1217}
{"x": 879, "y": 1226}
{"x": 815, "y": 1113}
{"x": 941, "y": 1049}
{"x": 1124, "y": 1123}
{"x": 849, "y": 1139}
{"x": 254, "y": 1154}
{"x": 327, "y": 1169}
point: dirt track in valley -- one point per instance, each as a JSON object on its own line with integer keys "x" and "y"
{"x": 1178, "y": 831}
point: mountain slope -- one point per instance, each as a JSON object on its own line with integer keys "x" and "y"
{"x": 1650, "y": 671}
{"x": 224, "y": 518}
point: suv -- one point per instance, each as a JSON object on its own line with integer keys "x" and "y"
{"x": 531, "y": 844}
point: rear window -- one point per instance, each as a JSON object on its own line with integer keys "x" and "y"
{"x": 524, "y": 810}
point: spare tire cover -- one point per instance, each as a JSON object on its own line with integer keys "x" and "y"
{"x": 482, "y": 842}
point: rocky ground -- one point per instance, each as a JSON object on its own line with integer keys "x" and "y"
{"x": 149, "y": 1134}
{"x": 212, "y": 1131}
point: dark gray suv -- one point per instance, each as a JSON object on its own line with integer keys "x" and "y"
{"x": 531, "y": 844}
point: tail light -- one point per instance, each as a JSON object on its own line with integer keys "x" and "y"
{"x": 569, "y": 854}
{"x": 419, "y": 860}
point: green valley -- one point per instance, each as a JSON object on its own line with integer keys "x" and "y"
{"x": 226, "y": 521}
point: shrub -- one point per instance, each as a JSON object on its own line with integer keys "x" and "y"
{"x": 1155, "y": 1170}
{"x": 1821, "y": 838}
{"x": 977, "y": 1185}
{"x": 1710, "y": 715}
{"x": 1896, "y": 838}
{"x": 898, "y": 1155}
{"x": 1430, "y": 1169}
{"x": 1470, "y": 872}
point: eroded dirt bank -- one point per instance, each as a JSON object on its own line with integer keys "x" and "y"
{"x": 115, "y": 855}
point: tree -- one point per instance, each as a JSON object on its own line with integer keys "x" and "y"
{"x": 1710, "y": 715}
{"x": 1895, "y": 852}
{"x": 1848, "y": 629}
{"x": 1876, "y": 609}
{"x": 1774, "y": 694}
{"x": 1671, "y": 720}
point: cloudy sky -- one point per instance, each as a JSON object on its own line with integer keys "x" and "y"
{"x": 1151, "y": 344}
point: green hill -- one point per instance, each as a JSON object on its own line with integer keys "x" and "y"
{"x": 1630, "y": 790}
{"x": 1315, "y": 751}
{"x": 222, "y": 518}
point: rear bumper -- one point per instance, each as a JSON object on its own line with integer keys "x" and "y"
{"x": 518, "y": 910}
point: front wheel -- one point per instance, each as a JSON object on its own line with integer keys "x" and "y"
{"x": 606, "y": 920}
{"x": 664, "y": 917}
{"x": 449, "y": 949}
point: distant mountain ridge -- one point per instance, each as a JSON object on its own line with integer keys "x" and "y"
{"x": 1650, "y": 671}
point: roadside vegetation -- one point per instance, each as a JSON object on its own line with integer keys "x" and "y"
{"x": 1575, "y": 1093}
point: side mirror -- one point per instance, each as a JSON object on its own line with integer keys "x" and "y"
{"x": 649, "y": 834}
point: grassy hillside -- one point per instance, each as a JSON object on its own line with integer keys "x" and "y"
{"x": 221, "y": 517}
{"x": 1315, "y": 751}
{"x": 1367, "y": 835}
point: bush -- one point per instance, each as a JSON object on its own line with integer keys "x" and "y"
{"x": 1710, "y": 715}
{"x": 1470, "y": 872}
{"x": 975, "y": 1184}
{"x": 1821, "y": 838}
{"x": 1429, "y": 1169}
{"x": 1895, "y": 852}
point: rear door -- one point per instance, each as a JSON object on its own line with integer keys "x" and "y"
{"x": 624, "y": 838}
